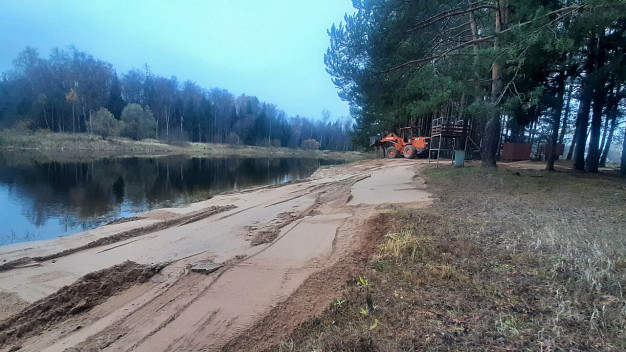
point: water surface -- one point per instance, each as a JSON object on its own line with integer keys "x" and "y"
{"x": 42, "y": 199}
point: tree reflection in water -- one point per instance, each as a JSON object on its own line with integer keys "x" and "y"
{"x": 45, "y": 199}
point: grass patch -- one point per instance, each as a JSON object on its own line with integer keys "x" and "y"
{"x": 85, "y": 145}
{"x": 503, "y": 260}
{"x": 78, "y": 143}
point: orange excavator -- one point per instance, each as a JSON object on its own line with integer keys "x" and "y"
{"x": 406, "y": 144}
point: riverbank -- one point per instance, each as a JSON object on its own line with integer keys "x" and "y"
{"x": 206, "y": 273}
{"x": 83, "y": 146}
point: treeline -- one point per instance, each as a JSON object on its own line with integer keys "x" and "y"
{"x": 72, "y": 91}
{"x": 519, "y": 70}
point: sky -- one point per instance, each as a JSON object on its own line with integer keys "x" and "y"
{"x": 272, "y": 49}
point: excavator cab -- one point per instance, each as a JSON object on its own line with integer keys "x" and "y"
{"x": 407, "y": 134}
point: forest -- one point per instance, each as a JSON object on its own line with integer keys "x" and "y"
{"x": 73, "y": 92}
{"x": 549, "y": 71}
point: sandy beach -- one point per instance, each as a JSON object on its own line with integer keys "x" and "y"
{"x": 207, "y": 273}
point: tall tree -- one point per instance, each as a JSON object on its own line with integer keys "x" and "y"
{"x": 599, "y": 98}
{"x": 556, "y": 119}
{"x": 115, "y": 104}
{"x": 132, "y": 86}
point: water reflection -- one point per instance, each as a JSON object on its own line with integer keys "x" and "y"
{"x": 42, "y": 199}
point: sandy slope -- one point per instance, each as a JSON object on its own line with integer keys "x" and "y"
{"x": 310, "y": 226}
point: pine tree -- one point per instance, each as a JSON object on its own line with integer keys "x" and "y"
{"x": 115, "y": 104}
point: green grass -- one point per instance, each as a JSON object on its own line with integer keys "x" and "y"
{"x": 504, "y": 260}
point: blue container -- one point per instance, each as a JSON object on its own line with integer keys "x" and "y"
{"x": 459, "y": 158}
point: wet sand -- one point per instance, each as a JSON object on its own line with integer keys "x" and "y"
{"x": 314, "y": 223}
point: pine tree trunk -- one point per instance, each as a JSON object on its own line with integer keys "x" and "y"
{"x": 582, "y": 120}
{"x": 570, "y": 153}
{"x": 556, "y": 120}
{"x": 567, "y": 111}
{"x": 605, "y": 130}
{"x": 491, "y": 140}
{"x": 491, "y": 137}
{"x": 599, "y": 98}
{"x": 607, "y": 145}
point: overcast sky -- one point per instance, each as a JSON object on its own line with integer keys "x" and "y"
{"x": 272, "y": 49}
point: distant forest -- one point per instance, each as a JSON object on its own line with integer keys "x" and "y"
{"x": 71, "y": 91}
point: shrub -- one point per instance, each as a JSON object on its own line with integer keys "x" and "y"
{"x": 310, "y": 144}
{"x": 140, "y": 123}
{"x": 103, "y": 123}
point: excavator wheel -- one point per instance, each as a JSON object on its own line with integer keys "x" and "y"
{"x": 391, "y": 152}
{"x": 408, "y": 152}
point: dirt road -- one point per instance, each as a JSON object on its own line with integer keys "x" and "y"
{"x": 264, "y": 242}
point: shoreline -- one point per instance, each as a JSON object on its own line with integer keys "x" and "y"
{"x": 85, "y": 146}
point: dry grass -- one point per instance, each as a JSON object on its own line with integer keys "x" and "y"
{"x": 83, "y": 144}
{"x": 80, "y": 143}
{"x": 504, "y": 260}
{"x": 404, "y": 245}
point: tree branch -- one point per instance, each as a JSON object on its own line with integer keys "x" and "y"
{"x": 448, "y": 14}
{"x": 439, "y": 56}
{"x": 435, "y": 58}
{"x": 568, "y": 9}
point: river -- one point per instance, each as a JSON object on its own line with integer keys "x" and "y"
{"x": 42, "y": 198}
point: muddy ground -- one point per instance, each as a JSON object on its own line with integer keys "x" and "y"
{"x": 282, "y": 253}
